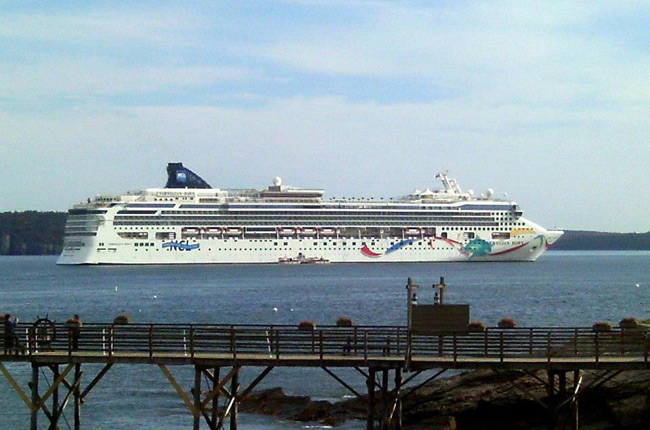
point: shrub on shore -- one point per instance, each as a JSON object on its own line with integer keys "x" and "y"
{"x": 344, "y": 322}
{"x": 507, "y": 323}
{"x": 122, "y": 319}
{"x": 306, "y": 325}
{"x": 602, "y": 326}
{"x": 476, "y": 327}
{"x": 627, "y": 323}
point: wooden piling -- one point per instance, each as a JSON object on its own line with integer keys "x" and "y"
{"x": 384, "y": 399}
{"x": 397, "y": 419}
{"x": 370, "y": 382}
{"x": 55, "y": 398}
{"x": 196, "y": 394}
{"x": 235, "y": 408}
{"x": 77, "y": 397}
{"x": 215, "y": 400}
{"x": 35, "y": 398}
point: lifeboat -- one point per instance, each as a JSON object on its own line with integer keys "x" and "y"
{"x": 213, "y": 231}
{"x": 412, "y": 231}
{"x": 308, "y": 231}
{"x": 233, "y": 231}
{"x": 191, "y": 231}
{"x": 286, "y": 231}
{"x": 327, "y": 231}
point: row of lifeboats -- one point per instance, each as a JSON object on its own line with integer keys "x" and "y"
{"x": 237, "y": 231}
{"x": 306, "y": 231}
{"x": 212, "y": 231}
{"x": 282, "y": 231}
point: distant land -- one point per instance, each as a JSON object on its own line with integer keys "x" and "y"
{"x": 41, "y": 233}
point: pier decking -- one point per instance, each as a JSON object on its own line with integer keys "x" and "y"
{"x": 368, "y": 349}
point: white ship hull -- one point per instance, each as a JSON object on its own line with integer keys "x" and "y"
{"x": 270, "y": 251}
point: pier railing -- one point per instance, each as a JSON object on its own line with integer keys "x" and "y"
{"x": 282, "y": 341}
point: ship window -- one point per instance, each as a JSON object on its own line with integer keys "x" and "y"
{"x": 134, "y": 235}
{"x": 500, "y": 235}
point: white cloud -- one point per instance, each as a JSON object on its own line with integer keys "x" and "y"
{"x": 107, "y": 27}
{"x": 491, "y": 50}
{"x": 90, "y": 78}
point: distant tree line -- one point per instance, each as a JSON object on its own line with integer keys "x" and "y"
{"x": 31, "y": 233}
{"x": 41, "y": 233}
{"x": 599, "y": 241}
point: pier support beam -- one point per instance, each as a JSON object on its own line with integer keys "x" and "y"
{"x": 77, "y": 397}
{"x": 196, "y": 392}
{"x": 54, "y": 423}
{"x": 234, "y": 388}
{"x": 370, "y": 382}
{"x": 397, "y": 416}
{"x": 384, "y": 400}
{"x": 215, "y": 401}
{"x": 33, "y": 423}
{"x": 561, "y": 402}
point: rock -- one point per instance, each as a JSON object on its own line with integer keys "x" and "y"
{"x": 276, "y": 403}
{"x": 480, "y": 400}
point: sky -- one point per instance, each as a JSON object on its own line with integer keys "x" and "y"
{"x": 545, "y": 102}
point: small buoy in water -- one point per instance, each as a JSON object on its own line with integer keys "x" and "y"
{"x": 275, "y": 309}
{"x": 154, "y": 297}
{"x": 291, "y": 309}
{"x": 637, "y": 285}
{"x": 116, "y": 288}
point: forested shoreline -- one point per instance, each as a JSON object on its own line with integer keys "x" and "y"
{"x": 41, "y": 233}
{"x": 31, "y": 233}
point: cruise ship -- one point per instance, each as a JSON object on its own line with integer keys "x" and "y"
{"x": 189, "y": 222}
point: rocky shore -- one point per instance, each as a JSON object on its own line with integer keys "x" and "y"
{"x": 481, "y": 400}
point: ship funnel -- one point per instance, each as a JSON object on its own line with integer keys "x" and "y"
{"x": 179, "y": 176}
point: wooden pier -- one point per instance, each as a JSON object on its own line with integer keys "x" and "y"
{"x": 219, "y": 352}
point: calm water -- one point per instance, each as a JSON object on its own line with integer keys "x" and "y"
{"x": 560, "y": 289}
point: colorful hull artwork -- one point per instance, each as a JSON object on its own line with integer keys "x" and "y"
{"x": 474, "y": 249}
{"x": 181, "y": 246}
{"x": 365, "y": 250}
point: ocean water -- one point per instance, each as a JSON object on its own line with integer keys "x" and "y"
{"x": 560, "y": 289}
